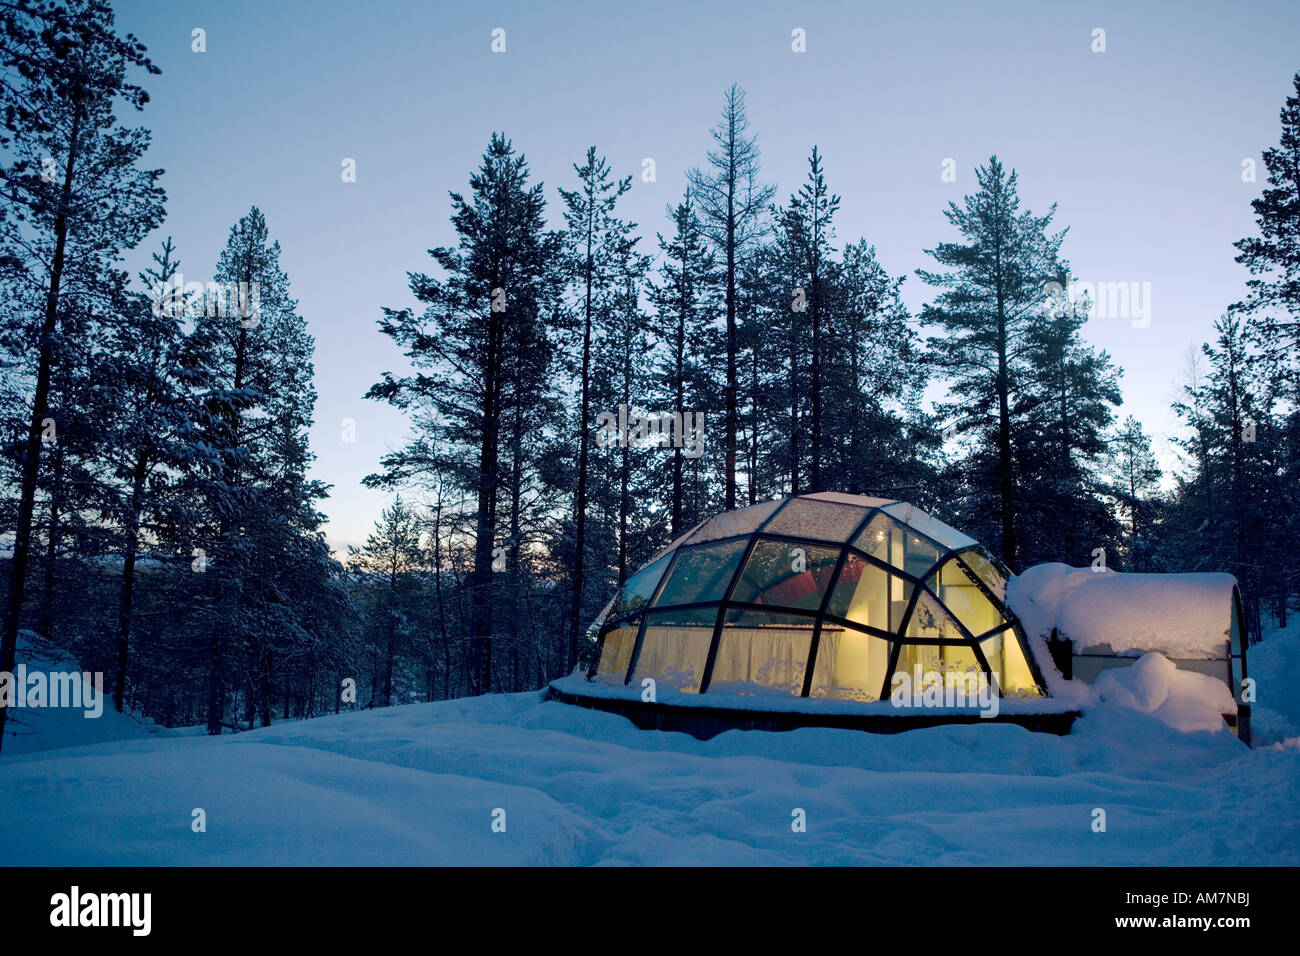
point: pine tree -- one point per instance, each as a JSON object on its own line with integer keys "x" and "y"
{"x": 805, "y": 227}
{"x": 596, "y": 241}
{"x": 1273, "y": 257}
{"x": 1229, "y": 513}
{"x": 685, "y": 380}
{"x": 992, "y": 298}
{"x": 731, "y": 202}
{"x": 502, "y": 282}
{"x": 1061, "y": 415}
{"x": 392, "y": 555}
{"x": 254, "y": 518}
{"x": 143, "y": 416}
{"x": 622, "y": 377}
{"x": 881, "y": 443}
{"x": 1135, "y": 477}
{"x": 1273, "y": 304}
{"x": 73, "y": 200}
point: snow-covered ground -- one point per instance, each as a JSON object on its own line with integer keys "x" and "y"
{"x": 424, "y": 784}
{"x": 1274, "y": 664}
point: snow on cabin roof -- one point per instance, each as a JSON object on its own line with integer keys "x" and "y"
{"x": 1183, "y": 616}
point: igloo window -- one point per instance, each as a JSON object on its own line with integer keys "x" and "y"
{"x": 850, "y": 665}
{"x": 732, "y": 523}
{"x": 957, "y": 591}
{"x": 869, "y": 595}
{"x": 886, "y": 540}
{"x": 639, "y": 589}
{"x": 762, "y": 653}
{"x": 616, "y": 654}
{"x": 820, "y": 520}
{"x": 702, "y": 573}
{"x": 675, "y": 648}
{"x": 786, "y": 575}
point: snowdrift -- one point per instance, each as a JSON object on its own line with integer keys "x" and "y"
{"x": 34, "y": 729}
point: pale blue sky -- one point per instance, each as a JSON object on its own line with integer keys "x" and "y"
{"x": 1140, "y": 146}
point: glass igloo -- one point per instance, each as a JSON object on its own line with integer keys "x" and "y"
{"x": 822, "y": 596}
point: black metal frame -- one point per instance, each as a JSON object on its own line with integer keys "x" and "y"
{"x": 1243, "y": 638}
{"x": 896, "y": 638}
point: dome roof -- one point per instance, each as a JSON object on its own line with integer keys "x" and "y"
{"x": 825, "y": 595}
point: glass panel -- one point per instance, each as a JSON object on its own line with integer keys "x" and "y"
{"x": 959, "y": 593}
{"x": 823, "y": 520}
{"x": 866, "y": 594}
{"x": 702, "y": 573}
{"x": 730, "y": 523}
{"x": 677, "y": 542}
{"x": 886, "y": 540}
{"x": 850, "y": 665}
{"x": 616, "y": 654}
{"x": 930, "y": 621}
{"x": 861, "y": 501}
{"x": 912, "y": 516}
{"x": 676, "y": 648}
{"x": 640, "y": 588}
{"x": 786, "y": 575}
{"x": 953, "y": 671}
{"x": 1007, "y": 662}
{"x": 987, "y": 571}
{"x": 762, "y": 653}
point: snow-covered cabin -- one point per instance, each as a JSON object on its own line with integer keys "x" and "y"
{"x": 1096, "y": 619}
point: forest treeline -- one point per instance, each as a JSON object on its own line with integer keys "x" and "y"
{"x": 579, "y": 395}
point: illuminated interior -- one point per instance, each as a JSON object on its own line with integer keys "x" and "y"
{"x": 826, "y": 596}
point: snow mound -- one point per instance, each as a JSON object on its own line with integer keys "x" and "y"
{"x": 1274, "y": 666}
{"x": 1184, "y": 700}
{"x": 1186, "y": 616}
{"x": 33, "y": 729}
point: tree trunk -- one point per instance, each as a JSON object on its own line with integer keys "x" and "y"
{"x": 580, "y": 497}
{"x": 731, "y": 427}
{"x": 53, "y": 537}
{"x": 128, "y": 577}
{"x": 32, "y": 457}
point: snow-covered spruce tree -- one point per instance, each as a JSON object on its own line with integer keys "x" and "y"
{"x": 143, "y": 409}
{"x": 260, "y": 561}
{"x": 992, "y": 290}
{"x": 470, "y": 345}
{"x": 731, "y": 202}
{"x": 595, "y": 243}
{"x": 73, "y": 201}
